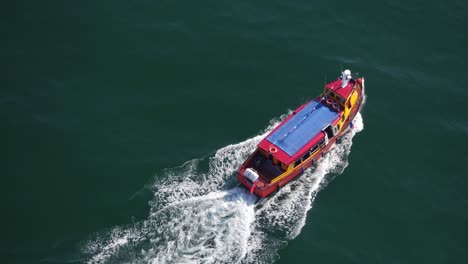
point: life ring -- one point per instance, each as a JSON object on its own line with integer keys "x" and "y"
{"x": 329, "y": 101}
{"x": 335, "y": 106}
{"x": 273, "y": 149}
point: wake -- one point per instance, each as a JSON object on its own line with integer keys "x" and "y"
{"x": 198, "y": 216}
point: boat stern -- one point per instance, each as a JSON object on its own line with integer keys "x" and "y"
{"x": 252, "y": 181}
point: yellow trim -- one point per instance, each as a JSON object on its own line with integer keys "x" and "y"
{"x": 292, "y": 168}
{"x": 283, "y": 175}
{"x": 352, "y": 99}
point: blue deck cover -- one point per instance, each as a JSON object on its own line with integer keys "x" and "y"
{"x": 304, "y": 126}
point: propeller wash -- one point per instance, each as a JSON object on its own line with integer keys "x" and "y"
{"x": 198, "y": 216}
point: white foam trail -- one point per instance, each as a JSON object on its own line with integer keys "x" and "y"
{"x": 189, "y": 187}
{"x": 283, "y": 216}
{"x": 193, "y": 220}
{"x": 212, "y": 228}
{"x": 189, "y": 180}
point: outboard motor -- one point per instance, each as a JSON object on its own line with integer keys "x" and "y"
{"x": 251, "y": 174}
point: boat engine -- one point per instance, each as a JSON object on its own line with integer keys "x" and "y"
{"x": 251, "y": 174}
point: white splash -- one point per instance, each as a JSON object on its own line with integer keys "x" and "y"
{"x": 195, "y": 219}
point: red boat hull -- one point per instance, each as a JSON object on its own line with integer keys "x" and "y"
{"x": 264, "y": 187}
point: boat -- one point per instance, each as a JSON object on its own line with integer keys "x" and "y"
{"x": 304, "y": 137}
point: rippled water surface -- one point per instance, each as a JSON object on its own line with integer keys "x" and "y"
{"x": 123, "y": 123}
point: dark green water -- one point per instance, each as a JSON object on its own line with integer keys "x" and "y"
{"x": 103, "y": 103}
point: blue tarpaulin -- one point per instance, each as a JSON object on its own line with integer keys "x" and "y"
{"x": 304, "y": 126}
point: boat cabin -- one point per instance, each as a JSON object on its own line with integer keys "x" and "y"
{"x": 339, "y": 91}
{"x": 303, "y": 137}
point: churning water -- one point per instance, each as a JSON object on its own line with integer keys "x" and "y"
{"x": 198, "y": 216}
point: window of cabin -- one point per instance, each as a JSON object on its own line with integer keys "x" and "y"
{"x": 342, "y": 100}
{"x": 342, "y": 118}
{"x": 306, "y": 156}
{"x": 297, "y": 163}
{"x": 314, "y": 148}
{"x": 321, "y": 142}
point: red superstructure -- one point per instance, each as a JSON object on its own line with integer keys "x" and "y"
{"x": 303, "y": 137}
